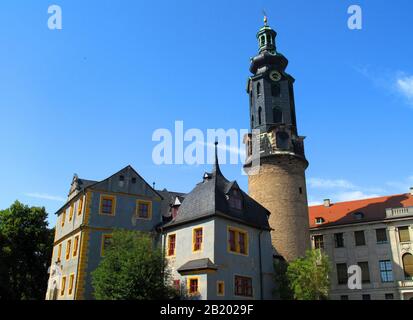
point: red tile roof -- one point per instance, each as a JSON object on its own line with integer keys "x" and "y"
{"x": 343, "y": 212}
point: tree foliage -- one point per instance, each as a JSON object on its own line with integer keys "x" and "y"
{"x": 133, "y": 268}
{"x": 309, "y": 276}
{"x": 26, "y": 246}
{"x": 283, "y": 290}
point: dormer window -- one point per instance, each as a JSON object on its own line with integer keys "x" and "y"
{"x": 358, "y": 215}
{"x": 174, "y": 212}
{"x": 319, "y": 220}
{"x": 235, "y": 200}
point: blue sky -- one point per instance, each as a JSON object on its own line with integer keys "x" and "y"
{"x": 87, "y": 99}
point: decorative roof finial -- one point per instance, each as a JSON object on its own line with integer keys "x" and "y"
{"x": 265, "y": 18}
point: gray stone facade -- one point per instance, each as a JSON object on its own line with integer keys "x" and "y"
{"x": 80, "y": 236}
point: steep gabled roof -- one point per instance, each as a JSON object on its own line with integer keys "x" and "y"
{"x": 83, "y": 184}
{"x": 105, "y": 183}
{"x": 210, "y": 198}
{"x": 373, "y": 209}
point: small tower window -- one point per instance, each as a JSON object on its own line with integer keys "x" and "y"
{"x": 252, "y": 121}
{"x": 259, "y": 115}
{"x": 275, "y": 90}
{"x": 258, "y": 89}
{"x": 262, "y": 40}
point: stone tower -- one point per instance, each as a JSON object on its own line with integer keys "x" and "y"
{"x": 279, "y": 184}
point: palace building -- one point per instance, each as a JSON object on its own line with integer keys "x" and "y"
{"x": 85, "y": 224}
{"x": 216, "y": 238}
{"x": 375, "y": 234}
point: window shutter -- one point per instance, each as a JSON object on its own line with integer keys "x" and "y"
{"x": 408, "y": 265}
{"x": 404, "y": 234}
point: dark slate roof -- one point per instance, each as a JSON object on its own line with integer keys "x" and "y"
{"x": 209, "y": 198}
{"x": 79, "y": 185}
{"x": 83, "y": 183}
{"x": 199, "y": 264}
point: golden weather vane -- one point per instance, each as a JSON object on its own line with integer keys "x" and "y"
{"x": 265, "y": 17}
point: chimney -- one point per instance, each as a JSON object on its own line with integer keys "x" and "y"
{"x": 327, "y": 203}
{"x": 411, "y": 191}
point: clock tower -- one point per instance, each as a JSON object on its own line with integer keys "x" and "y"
{"x": 279, "y": 184}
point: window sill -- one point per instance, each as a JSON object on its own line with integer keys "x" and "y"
{"x": 107, "y": 214}
{"x": 247, "y": 297}
{"x": 140, "y": 218}
{"x": 238, "y": 253}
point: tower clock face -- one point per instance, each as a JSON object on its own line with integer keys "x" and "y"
{"x": 275, "y": 76}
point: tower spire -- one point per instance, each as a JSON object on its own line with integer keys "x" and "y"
{"x": 216, "y": 168}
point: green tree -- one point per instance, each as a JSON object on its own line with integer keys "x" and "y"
{"x": 26, "y": 246}
{"x": 309, "y": 276}
{"x": 133, "y": 268}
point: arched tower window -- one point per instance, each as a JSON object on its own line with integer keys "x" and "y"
{"x": 258, "y": 89}
{"x": 408, "y": 266}
{"x": 259, "y": 115}
{"x": 277, "y": 115}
